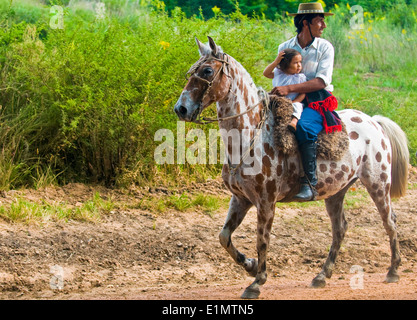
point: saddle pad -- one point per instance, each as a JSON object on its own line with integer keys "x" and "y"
{"x": 330, "y": 146}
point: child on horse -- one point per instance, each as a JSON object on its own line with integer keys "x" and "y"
{"x": 286, "y": 70}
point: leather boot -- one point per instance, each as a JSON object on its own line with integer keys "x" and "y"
{"x": 307, "y": 191}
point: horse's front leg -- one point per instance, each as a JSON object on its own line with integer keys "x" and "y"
{"x": 237, "y": 211}
{"x": 265, "y": 220}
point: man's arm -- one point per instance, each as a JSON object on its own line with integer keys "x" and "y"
{"x": 305, "y": 87}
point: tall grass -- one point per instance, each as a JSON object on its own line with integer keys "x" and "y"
{"x": 83, "y": 103}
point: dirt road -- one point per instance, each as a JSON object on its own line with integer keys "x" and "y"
{"x": 134, "y": 254}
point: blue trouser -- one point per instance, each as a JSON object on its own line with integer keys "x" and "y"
{"x": 309, "y": 126}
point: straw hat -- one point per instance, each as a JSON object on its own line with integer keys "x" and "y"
{"x": 308, "y": 8}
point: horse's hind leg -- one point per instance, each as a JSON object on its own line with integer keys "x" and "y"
{"x": 237, "y": 211}
{"x": 389, "y": 220}
{"x": 380, "y": 194}
{"x": 334, "y": 206}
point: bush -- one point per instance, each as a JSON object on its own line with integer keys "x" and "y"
{"x": 83, "y": 103}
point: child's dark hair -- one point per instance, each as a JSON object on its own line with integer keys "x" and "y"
{"x": 286, "y": 59}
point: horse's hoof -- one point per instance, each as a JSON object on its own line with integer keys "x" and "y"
{"x": 318, "y": 282}
{"x": 251, "y": 293}
{"x": 392, "y": 278}
{"x": 252, "y": 267}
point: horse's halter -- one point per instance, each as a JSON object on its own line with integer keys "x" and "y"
{"x": 193, "y": 73}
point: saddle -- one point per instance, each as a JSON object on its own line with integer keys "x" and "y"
{"x": 331, "y": 146}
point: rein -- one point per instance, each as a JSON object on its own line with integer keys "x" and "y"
{"x": 258, "y": 130}
{"x": 203, "y": 120}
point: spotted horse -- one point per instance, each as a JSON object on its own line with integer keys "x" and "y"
{"x": 377, "y": 155}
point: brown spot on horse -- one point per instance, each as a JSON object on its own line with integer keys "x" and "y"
{"x": 354, "y": 135}
{"x": 356, "y": 119}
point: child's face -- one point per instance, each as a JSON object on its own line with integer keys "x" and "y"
{"x": 295, "y": 65}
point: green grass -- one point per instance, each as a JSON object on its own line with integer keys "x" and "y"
{"x": 207, "y": 204}
{"x": 35, "y": 213}
{"x": 355, "y": 198}
{"x": 412, "y": 186}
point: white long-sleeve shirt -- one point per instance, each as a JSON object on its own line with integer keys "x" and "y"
{"x": 284, "y": 79}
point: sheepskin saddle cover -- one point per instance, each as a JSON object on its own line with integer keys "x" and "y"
{"x": 330, "y": 146}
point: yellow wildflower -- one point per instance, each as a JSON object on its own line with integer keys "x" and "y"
{"x": 404, "y": 31}
{"x": 348, "y": 6}
{"x": 165, "y": 45}
{"x": 215, "y": 10}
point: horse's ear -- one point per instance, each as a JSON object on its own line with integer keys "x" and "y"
{"x": 213, "y": 46}
{"x": 202, "y": 48}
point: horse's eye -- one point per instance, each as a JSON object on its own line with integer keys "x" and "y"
{"x": 208, "y": 72}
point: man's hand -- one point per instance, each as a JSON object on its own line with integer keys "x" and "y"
{"x": 305, "y": 87}
{"x": 280, "y": 91}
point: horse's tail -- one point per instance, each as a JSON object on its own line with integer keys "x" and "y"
{"x": 400, "y": 156}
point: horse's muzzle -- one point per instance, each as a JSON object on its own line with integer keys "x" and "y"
{"x": 186, "y": 109}
{"x": 181, "y": 111}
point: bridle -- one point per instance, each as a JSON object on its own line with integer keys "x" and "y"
{"x": 264, "y": 99}
{"x": 225, "y": 62}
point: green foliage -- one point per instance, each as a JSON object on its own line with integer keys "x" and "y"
{"x": 28, "y": 212}
{"x": 83, "y": 103}
{"x": 399, "y": 11}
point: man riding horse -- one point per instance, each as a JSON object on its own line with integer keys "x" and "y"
{"x": 319, "y": 104}
{"x": 377, "y": 154}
